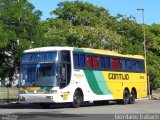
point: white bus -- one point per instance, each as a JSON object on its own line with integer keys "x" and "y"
{"x": 73, "y": 75}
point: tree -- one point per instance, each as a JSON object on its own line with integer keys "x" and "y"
{"x": 153, "y": 54}
{"x": 81, "y": 24}
{"x": 18, "y": 22}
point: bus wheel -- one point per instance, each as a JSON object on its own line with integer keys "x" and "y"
{"x": 77, "y": 99}
{"x": 44, "y": 105}
{"x": 132, "y": 97}
{"x": 125, "y": 97}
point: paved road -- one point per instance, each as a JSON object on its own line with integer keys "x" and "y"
{"x": 88, "y": 111}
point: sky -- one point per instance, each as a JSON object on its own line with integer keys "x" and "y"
{"x": 124, "y": 7}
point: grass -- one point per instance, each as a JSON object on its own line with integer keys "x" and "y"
{"x": 8, "y": 95}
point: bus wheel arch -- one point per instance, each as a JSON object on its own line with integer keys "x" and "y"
{"x": 77, "y": 98}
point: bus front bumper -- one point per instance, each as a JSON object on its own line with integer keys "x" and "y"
{"x": 40, "y": 98}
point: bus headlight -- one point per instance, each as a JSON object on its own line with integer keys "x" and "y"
{"x": 50, "y": 92}
{"x": 22, "y": 92}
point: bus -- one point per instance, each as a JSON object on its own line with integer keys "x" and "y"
{"x": 75, "y": 75}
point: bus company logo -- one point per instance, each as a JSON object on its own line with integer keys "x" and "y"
{"x": 78, "y": 76}
{"x": 116, "y": 76}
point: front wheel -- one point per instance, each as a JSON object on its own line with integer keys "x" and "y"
{"x": 77, "y": 99}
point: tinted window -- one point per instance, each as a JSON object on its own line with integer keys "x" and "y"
{"x": 142, "y": 65}
{"x": 123, "y": 64}
{"x": 76, "y": 59}
{"x": 95, "y": 62}
{"x": 102, "y": 62}
{"x": 129, "y": 65}
{"x": 39, "y": 57}
{"x": 107, "y": 62}
{"x": 89, "y": 61}
{"x": 82, "y": 60}
{"x": 65, "y": 56}
{"x": 135, "y": 65}
{"x": 116, "y": 65}
{"x": 138, "y": 65}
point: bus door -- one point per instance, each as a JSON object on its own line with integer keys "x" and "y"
{"x": 64, "y": 69}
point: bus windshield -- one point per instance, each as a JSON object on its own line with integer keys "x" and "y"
{"x": 39, "y": 74}
{"x": 39, "y": 57}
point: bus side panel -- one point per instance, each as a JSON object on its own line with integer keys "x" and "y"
{"x": 98, "y": 85}
{"x": 117, "y": 82}
{"x": 93, "y": 85}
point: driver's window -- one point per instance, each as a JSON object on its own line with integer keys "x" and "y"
{"x": 65, "y": 56}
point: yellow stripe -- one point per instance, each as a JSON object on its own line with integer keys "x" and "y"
{"x": 29, "y": 88}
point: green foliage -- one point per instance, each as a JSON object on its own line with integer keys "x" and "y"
{"x": 78, "y": 36}
{"x": 85, "y": 25}
{"x": 5, "y": 35}
{"x": 79, "y": 13}
{"x": 19, "y": 27}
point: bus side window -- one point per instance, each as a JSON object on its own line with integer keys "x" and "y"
{"x": 129, "y": 65}
{"x": 115, "y": 63}
{"x": 142, "y": 66}
{"x": 107, "y": 63}
{"x": 102, "y": 62}
{"x": 123, "y": 65}
{"x": 136, "y": 65}
{"x": 65, "y": 56}
{"x": 89, "y": 61}
{"x": 76, "y": 60}
{"x": 82, "y": 60}
{"x": 95, "y": 62}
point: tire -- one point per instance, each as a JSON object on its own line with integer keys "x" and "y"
{"x": 77, "y": 99}
{"x": 132, "y": 97}
{"x": 126, "y": 97}
{"x": 44, "y": 105}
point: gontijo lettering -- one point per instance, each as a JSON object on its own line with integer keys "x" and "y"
{"x": 116, "y": 76}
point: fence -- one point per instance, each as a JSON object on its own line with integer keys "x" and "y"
{"x": 8, "y": 95}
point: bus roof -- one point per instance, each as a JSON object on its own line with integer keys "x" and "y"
{"x": 112, "y": 53}
{"x": 49, "y": 48}
{"x": 86, "y": 50}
